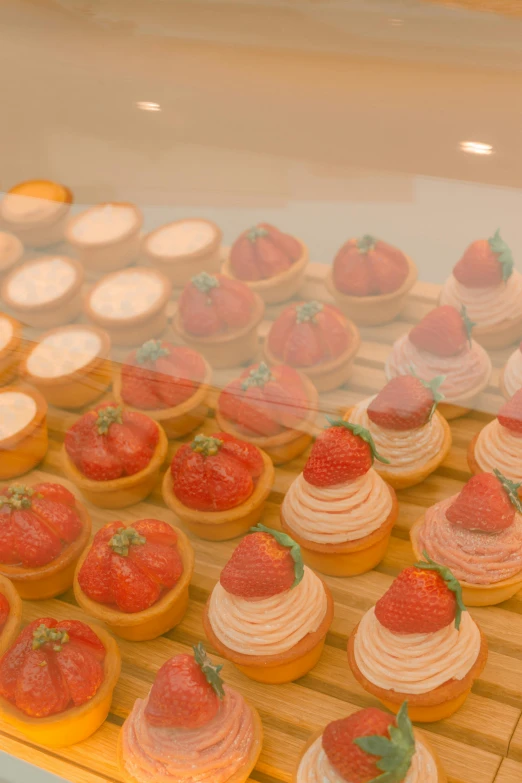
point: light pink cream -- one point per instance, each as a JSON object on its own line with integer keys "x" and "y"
{"x": 496, "y": 447}
{"x": 485, "y": 306}
{"x": 513, "y": 373}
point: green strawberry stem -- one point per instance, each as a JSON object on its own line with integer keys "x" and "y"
{"x": 107, "y": 416}
{"x": 451, "y": 583}
{"x": 293, "y": 546}
{"x": 433, "y": 386}
{"x": 150, "y": 351}
{"x": 395, "y": 754}
{"x": 468, "y": 323}
{"x": 205, "y": 282}
{"x": 210, "y": 671}
{"x": 256, "y": 232}
{"x": 122, "y": 541}
{"x": 366, "y": 243}
{"x": 44, "y": 635}
{"x": 206, "y": 445}
{"x": 19, "y": 497}
{"x": 361, "y": 432}
{"x": 259, "y": 376}
{"x": 511, "y": 488}
{"x": 307, "y": 311}
{"x": 504, "y": 254}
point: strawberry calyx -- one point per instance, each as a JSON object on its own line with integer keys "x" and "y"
{"x": 260, "y": 376}
{"x": 451, "y": 583}
{"x": 112, "y": 414}
{"x": 206, "y": 445}
{"x": 211, "y": 672}
{"x": 434, "y": 386}
{"x": 18, "y": 497}
{"x": 366, "y": 243}
{"x": 468, "y": 323}
{"x": 503, "y": 253}
{"x": 511, "y": 488}
{"x": 395, "y": 753}
{"x": 121, "y": 542}
{"x": 205, "y": 282}
{"x": 289, "y": 543}
{"x": 44, "y": 635}
{"x": 361, "y": 432}
{"x": 150, "y": 351}
{"x": 256, "y": 232}
{"x": 307, "y": 311}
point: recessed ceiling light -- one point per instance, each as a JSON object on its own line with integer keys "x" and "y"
{"x": 148, "y": 106}
{"x": 476, "y": 147}
{"x": 396, "y": 22}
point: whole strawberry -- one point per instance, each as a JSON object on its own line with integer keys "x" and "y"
{"x": 510, "y": 414}
{"x": 309, "y": 333}
{"x": 423, "y": 599}
{"x": 371, "y": 746}
{"x": 263, "y": 252}
{"x": 405, "y": 403}
{"x": 443, "y": 332}
{"x": 485, "y": 263}
{"x": 369, "y": 267}
{"x": 487, "y": 503}
{"x": 265, "y": 563}
{"x": 213, "y": 304}
{"x": 187, "y": 692}
{"x": 341, "y": 453}
{"x": 4, "y": 611}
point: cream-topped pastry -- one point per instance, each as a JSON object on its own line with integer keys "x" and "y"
{"x": 127, "y": 294}
{"x": 182, "y": 238}
{"x": 37, "y": 211}
{"x": 40, "y": 282}
{"x": 104, "y": 223}
{"x": 512, "y": 374}
{"x": 11, "y": 251}
{"x": 64, "y": 351}
{"x": 6, "y": 331}
{"x": 499, "y": 444}
{"x": 485, "y": 306}
{"x": 17, "y": 410}
{"x": 21, "y": 208}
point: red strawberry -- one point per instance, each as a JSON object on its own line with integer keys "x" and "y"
{"x": 308, "y": 333}
{"x": 362, "y": 749}
{"x": 131, "y": 450}
{"x": 264, "y": 564}
{"x": 485, "y": 263}
{"x": 145, "y": 427}
{"x": 443, "y": 332}
{"x": 487, "y": 503}
{"x": 263, "y": 252}
{"x": 341, "y": 453}
{"x": 4, "y": 611}
{"x": 405, "y": 403}
{"x": 212, "y": 304}
{"x": 368, "y": 267}
{"x": 510, "y": 414}
{"x": 186, "y": 693}
{"x": 422, "y": 599}
{"x": 56, "y": 493}
{"x": 290, "y": 246}
{"x": 215, "y": 473}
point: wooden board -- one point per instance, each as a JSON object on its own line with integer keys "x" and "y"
{"x": 474, "y": 744}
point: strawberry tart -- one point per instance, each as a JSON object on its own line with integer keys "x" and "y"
{"x": 370, "y": 745}
{"x": 57, "y": 680}
{"x": 107, "y": 236}
{"x": 136, "y": 578}
{"x": 191, "y": 728}
{"x": 10, "y": 614}
{"x": 478, "y": 534}
{"x": 273, "y": 408}
{"x": 370, "y": 280}
{"x": 11, "y": 252}
{"x": 23, "y": 430}
{"x": 36, "y": 211}
{"x": 499, "y": 443}
{"x": 317, "y": 339}
{"x": 10, "y": 348}
{"x": 441, "y": 344}
{"x": 510, "y": 380}
{"x": 171, "y": 383}
{"x": 339, "y": 510}
{"x": 219, "y": 317}
{"x": 420, "y": 644}
{"x": 184, "y": 248}
{"x": 114, "y": 456}
{"x": 217, "y": 485}
{"x": 271, "y": 263}
{"x": 406, "y": 428}
{"x": 486, "y": 283}
{"x": 269, "y": 614}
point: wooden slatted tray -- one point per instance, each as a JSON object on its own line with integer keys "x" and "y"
{"x": 480, "y": 744}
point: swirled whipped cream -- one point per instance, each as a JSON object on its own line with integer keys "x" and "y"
{"x": 485, "y": 306}
{"x": 406, "y": 450}
{"x": 335, "y": 515}
{"x": 513, "y": 373}
{"x": 497, "y": 447}
{"x": 210, "y": 754}
{"x": 473, "y": 556}
{"x": 268, "y": 626}
{"x": 315, "y": 767}
{"x": 464, "y": 373}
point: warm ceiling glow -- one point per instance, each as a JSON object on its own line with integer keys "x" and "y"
{"x": 476, "y": 147}
{"x": 148, "y": 106}
{"x": 396, "y": 22}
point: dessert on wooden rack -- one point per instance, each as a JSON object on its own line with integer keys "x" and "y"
{"x": 11, "y": 252}
{"x": 420, "y": 644}
{"x": 36, "y": 211}
{"x": 370, "y": 280}
{"x": 269, "y": 614}
{"x": 407, "y": 429}
{"x": 57, "y": 680}
{"x": 23, "y": 430}
{"x": 510, "y": 380}
{"x": 219, "y": 317}
{"x": 217, "y": 485}
{"x": 370, "y": 745}
{"x": 487, "y": 284}
{"x": 273, "y": 408}
{"x": 190, "y": 727}
{"x": 271, "y": 262}
{"x": 10, "y": 348}
{"x": 106, "y": 237}
{"x": 114, "y": 456}
{"x": 184, "y": 248}
{"x": 316, "y": 339}
{"x": 478, "y": 535}
{"x": 339, "y": 510}
{"x": 498, "y": 445}
{"x": 136, "y": 578}
{"x": 441, "y": 344}
{"x": 10, "y": 613}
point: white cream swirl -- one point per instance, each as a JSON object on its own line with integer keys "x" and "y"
{"x": 268, "y": 626}
{"x": 415, "y": 662}
{"x": 486, "y": 306}
{"x": 496, "y": 447}
{"x": 335, "y": 515}
{"x": 513, "y": 373}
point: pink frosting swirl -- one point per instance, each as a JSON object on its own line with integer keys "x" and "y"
{"x": 473, "y": 557}
{"x": 210, "y": 754}
{"x": 335, "y": 515}
{"x": 485, "y": 306}
{"x": 513, "y": 372}
{"x": 496, "y": 447}
{"x": 465, "y": 373}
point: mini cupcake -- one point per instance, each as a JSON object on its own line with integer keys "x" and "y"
{"x": 106, "y": 236}
{"x": 268, "y": 613}
{"x": 486, "y": 283}
{"x": 190, "y": 727}
{"x": 10, "y": 614}
{"x": 478, "y": 534}
{"x": 23, "y": 430}
{"x": 419, "y": 643}
{"x": 499, "y": 443}
{"x": 339, "y": 510}
{"x": 184, "y": 248}
{"x": 275, "y": 409}
{"x": 316, "y": 339}
{"x": 441, "y": 344}
{"x": 406, "y": 428}
{"x": 217, "y": 485}
{"x": 270, "y": 262}
{"x": 370, "y": 280}
{"x": 219, "y": 318}
{"x": 510, "y": 380}
{"x": 367, "y": 746}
